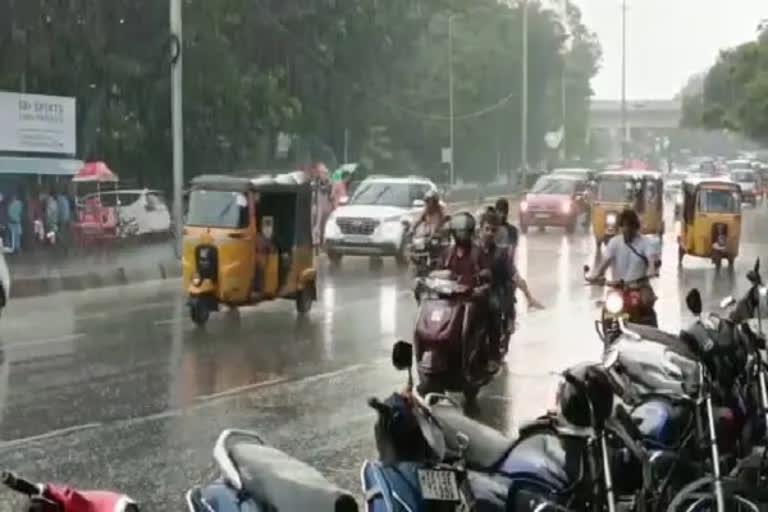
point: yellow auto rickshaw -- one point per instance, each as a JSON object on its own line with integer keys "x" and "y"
{"x": 615, "y": 191}
{"x": 711, "y": 220}
{"x": 246, "y": 241}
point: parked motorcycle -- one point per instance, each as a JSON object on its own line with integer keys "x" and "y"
{"x": 59, "y": 498}
{"x": 256, "y": 477}
{"x": 559, "y": 462}
{"x": 451, "y": 338}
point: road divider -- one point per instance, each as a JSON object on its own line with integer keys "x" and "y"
{"x": 168, "y": 268}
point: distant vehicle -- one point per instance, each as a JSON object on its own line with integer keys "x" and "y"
{"x": 737, "y": 165}
{"x": 144, "y": 209}
{"x": 673, "y": 183}
{"x": 747, "y": 180}
{"x": 555, "y": 200}
{"x": 375, "y": 220}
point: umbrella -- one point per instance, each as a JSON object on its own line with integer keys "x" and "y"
{"x": 339, "y": 173}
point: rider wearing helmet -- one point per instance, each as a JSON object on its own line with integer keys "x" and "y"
{"x": 463, "y": 259}
{"x": 433, "y": 215}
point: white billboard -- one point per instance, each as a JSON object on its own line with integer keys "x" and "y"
{"x": 36, "y": 123}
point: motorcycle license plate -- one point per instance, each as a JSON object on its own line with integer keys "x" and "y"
{"x": 542, "y": 215}
{"x": 356, "y": 239}
{"x": 438, "y": 485}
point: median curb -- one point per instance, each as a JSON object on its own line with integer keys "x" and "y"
{"x": 120, "y": 276}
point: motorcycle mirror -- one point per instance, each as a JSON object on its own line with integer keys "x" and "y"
{"x": 727, "y": 302}
{"x": 586, "y": 269}
{"x": 402, "y": 355}
{"x": 693, "y": 301}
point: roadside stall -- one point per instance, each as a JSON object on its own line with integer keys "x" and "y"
{"x": 96, "y": 219}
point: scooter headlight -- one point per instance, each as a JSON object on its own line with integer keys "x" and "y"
{"x": 614, "y": 303}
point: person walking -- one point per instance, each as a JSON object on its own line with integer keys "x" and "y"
{"x": 15, "y": 212}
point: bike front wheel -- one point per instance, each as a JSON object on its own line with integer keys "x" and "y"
{"x": 700, "y": 496}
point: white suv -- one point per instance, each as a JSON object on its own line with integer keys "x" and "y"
{"x": 375, "y": 220}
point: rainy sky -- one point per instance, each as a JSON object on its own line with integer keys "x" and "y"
{"x": 667, "y": 40}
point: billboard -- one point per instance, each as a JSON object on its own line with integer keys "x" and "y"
{"x": 36, "y": 123}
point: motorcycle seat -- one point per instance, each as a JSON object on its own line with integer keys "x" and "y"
{"x": 671, "y": 341}
{"x": 487, "y": 446}
{"x": 274, "y": 477}
{"x": 545, "y": 457}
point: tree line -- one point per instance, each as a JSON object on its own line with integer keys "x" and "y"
{"x": 320, "y": 80}
{"x": 733, "y": 93}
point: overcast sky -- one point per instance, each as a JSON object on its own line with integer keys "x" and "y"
{"x": 667, "y": 40}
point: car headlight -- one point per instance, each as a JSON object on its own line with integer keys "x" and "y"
{"x": 566, "y": 207}
{"x": 331, "y": 228}
{"x": 610, "y": 219}
{"x": 391, "y": 227}
{"x": 614, "y": 303}
{"x": 524, "y": 206}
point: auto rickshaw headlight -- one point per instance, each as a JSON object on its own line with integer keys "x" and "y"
{"x": 679, "y": 198}
{"x": 197, "y": 280}
{"x": 566, "y": 207}
{"x": 610, "y": 219}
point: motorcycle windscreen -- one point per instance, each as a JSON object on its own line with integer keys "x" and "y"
{"x": 219, "y": 497}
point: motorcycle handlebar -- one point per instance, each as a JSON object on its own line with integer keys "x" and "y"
{"x": 375, "y": 404}
{"x": 19, "y": 484}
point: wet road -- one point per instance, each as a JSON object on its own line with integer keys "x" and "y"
{"x": 117, "y": 388}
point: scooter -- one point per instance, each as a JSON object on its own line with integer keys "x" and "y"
{"x": 256, "y": 477}
{"x": 59, "y": 498}
{"x": 453, "y": 352}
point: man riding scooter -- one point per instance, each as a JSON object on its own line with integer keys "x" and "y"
{"x": 632, "y": 259}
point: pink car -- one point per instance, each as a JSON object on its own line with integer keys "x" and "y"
{"x": 555, "y": 200}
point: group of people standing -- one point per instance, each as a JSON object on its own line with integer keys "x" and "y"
{"x": 35, "y": 218}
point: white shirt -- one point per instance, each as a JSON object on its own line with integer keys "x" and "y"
{"x": 625, "y": 264}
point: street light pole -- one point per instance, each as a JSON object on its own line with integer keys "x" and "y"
{"x": 524, "y": 98}
{"x": 450, "y": 92}
{"x": 624, "y": 140}
{"x": 176, "y": 117}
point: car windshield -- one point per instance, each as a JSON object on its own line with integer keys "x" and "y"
{"x": 739, "y": 165}
{"x": 383, "y": 193}
{"x": 743, "y": 176}
{"x": 218, "y": 209}
{"x": 551, "y": 185}
{"x": 613, "y": 190}
{"x": 719, "y": 201}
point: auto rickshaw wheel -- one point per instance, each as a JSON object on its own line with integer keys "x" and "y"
{"x": 304, "y": 300}
{"x": 571, "y": 228}
{"x": 199, "y": 312}
{"x": 730, "y": 261}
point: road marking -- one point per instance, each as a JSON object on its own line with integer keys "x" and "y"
{"x": 44, "y": 341}
{"x": 200, "y": 402}
{"x": 4, "y": 445}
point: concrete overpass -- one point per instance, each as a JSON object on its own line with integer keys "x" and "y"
{"x": 646, "y": 120}
{"x": 606, "y": 114}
